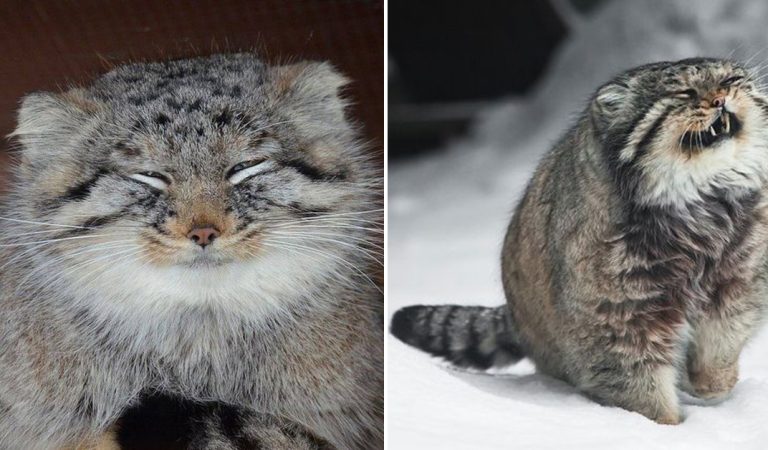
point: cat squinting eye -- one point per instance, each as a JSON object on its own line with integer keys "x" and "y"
{"x": 243, "y": 170}
{"x": 686, "y": 94}
{"x": 731, "y": 81}
{"x": 155, "y": 179}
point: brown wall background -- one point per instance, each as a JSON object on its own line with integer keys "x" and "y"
{"x": 50, "y": 45}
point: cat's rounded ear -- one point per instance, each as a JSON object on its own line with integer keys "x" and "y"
{"x": 608, "y": 104}
{"x": 310, "y": 93}
{"x": 47, "y": 123}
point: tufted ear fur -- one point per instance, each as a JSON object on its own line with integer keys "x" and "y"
{"x": 49, "y": 123}
{"x": 608, "y": 104}
{"x": 310, "y": 93}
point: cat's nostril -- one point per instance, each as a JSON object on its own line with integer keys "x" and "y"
{"x": 718, "y": 102}
{"x": 203, "y": 236}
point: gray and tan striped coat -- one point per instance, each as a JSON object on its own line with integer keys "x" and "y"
{"x": 198, "y": 229}
{"x": 636, "y": 260}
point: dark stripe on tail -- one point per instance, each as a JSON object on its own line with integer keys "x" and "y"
{"x": 468, "y": 336}
{"x": 166, "y": 422}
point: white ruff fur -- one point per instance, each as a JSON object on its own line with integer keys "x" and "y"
{"x": 252, "y": 289}
{"x": 737, "y": 164}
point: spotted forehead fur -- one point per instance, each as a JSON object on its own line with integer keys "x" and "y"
{"x": 193, "y": 98}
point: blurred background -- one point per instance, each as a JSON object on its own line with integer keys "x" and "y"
{"x": 449, "y": 60}
{"x": 51, "y": 45}
{"x": 479, "y": 91}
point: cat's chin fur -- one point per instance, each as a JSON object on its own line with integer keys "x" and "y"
{"x": 268, "y": 285}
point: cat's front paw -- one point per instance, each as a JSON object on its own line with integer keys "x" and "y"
{"x": 668, "y": 418}
{"x": 713, "y": 383}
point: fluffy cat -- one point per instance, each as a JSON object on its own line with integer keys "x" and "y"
{"x": 636, "y": 260}
{"x": 199, "y": 229}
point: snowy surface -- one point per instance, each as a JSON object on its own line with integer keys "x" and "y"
{"x": 447, "y": 216}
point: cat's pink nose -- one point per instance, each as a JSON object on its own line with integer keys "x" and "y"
{"x": 719, "y": 101}
{"x": 203, "y": 236}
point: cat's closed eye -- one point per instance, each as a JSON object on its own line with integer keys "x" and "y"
{"x": 155, "y": 179}
{"x": 730, "y": 81}
{"x": 687, "y": 94}
{"x": 245, "y": 169}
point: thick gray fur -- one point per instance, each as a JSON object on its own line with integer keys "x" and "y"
{"x": 103, "y": 298}
{"x": 636, "y": 261}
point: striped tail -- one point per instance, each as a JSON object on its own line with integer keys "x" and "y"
{"x": 467, "y": 336}
{"x": 166, "y": 422}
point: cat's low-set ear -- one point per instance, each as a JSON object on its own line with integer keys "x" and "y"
{"x": 310, "y": 91}
{"x": 608, "y": 103}
{"x": 47, "y": 122}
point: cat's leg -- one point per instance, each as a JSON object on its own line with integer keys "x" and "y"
{"x": 634, "y": 358}
{"x": 31, "y": 428}
{"x": 716, "y": 342}
{"x": 646, "y": 389}
{"x": 57, "y": 406}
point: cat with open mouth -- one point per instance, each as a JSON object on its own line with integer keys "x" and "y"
{"x": 635, "y": 263}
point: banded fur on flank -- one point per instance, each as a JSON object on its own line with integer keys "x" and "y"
{"x": 636, "y": 261}
{"x": 204, "y": 229}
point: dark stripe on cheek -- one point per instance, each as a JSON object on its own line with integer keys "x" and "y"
{"x": 309, "y": 211}
{"x": 153, "y": 240}
{"x": 92, "y": 224}
{"x": 761, "y": 103}
{"x": 100, "y": 221}
{"x": 82, "y": 190}
{"x": 616, "y": 140}
{"x": 312, "y": 172}
{"x": 654, "y": 131}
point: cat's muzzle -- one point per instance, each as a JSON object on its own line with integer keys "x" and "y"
{"x": 725, "y": 126}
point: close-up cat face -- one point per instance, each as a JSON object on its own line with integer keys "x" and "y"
{"x": 213, "y": 174}
{"x": 685, "y": 126}
{"x": 191, "y": 226}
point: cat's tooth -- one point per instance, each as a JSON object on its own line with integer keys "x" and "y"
{"x": 727, "y": 121}
{"x": 712, "y": 130}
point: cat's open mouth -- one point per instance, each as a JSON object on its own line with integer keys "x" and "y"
{"x": 725, "y": 126}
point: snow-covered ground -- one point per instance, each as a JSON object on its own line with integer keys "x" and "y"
{"x": 447, "y": 215}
